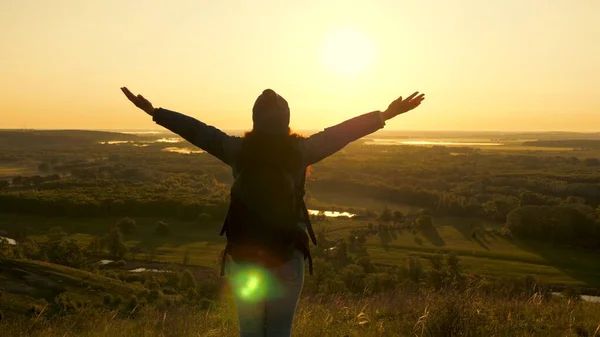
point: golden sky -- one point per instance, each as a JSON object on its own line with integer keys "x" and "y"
{"x": 483, "y": 65}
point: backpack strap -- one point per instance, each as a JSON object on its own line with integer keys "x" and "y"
{"x": 224, "y": 259}
{"x": 311, "y": 232}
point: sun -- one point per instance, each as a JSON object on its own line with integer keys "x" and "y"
{"x": 347, "y": 52}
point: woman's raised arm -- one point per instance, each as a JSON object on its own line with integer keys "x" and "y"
{"x": 327, "y": 142}
{"x": 206, "y": 137}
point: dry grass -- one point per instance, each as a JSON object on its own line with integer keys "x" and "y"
{"x": 398, "y": 314}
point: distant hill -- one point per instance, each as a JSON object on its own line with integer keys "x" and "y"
{"x": 50, "y": 138}
{"x": 496, "y": 135}
{"x": 573, "y": 143}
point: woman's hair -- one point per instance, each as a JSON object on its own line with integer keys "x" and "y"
{"x": 258, "y": 145}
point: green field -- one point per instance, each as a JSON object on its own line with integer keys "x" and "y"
{"x": 488, "y": 254}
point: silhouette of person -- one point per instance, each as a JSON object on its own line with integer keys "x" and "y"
{"x": 274, "y": 314}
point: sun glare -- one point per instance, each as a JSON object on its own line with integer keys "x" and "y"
{"x": 347, "y": 52}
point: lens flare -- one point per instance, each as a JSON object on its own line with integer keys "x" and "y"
{"x": 254, "y": 283}
{"x": 251, "y": 286}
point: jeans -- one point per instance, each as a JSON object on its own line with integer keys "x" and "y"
{"x": 266, "y": 304}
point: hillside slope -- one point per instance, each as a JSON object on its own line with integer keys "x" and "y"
{"x": 27, "y": 283}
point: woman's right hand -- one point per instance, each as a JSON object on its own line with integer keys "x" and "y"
{"x": 139, "y": 101}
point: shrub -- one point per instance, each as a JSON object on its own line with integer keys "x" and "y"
{"x": 188, "y": 280}
{"x": 169, "y": 290}
{"x": 108, "y": 299}
{"x": 133, "y": 301}
{"x": 154, "y": 296}
{"x": 119, "y": 264}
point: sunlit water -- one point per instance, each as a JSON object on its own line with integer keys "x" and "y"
{"x": 10, "y": 241}
{"x": 587, "y": 298}
{"x": 595, "y": 299}
{"x": 145, "y": 270}
{"x": 181, "y": 150}
{"x": 113, "y": 142}
{"x": 137, "y": 270}
{"x": 330, "y": 214}
{"x": 168, "y": 140}
{"x": 376, "y": 141}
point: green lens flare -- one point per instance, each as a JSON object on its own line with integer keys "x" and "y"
{"x": 251, "y": 286}
{"x": 252, "y": 283}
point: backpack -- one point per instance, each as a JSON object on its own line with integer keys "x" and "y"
{"x": 265, "y": 207}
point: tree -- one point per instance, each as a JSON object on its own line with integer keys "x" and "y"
{"x": 115, "y": 243}
{"x": 6, "y": 249}
{"x": 95, "y": 247}
{"x": 353, "y": 277}
{"x": 324, "y": 272}
{"x": 126, "y": 225}
{"x": 65, "y": 252}
{"x": 385, "y": 238}
{"x": 452, "y": 261}
{"x": 386, "y": 214}
{"x": 352, "y": 242}
{"x": 30, "y": 249}
{"x": 366, "y": 264}
{"x": 398, "y": 216}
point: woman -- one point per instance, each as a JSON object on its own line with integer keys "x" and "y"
{"x": 273, "y": 313}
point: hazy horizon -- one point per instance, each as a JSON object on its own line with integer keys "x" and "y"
{"x": 507, "y": 66}
{"x": 308, "y": 130}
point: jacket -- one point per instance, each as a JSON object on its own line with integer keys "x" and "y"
{"x": 312, "y": 149}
